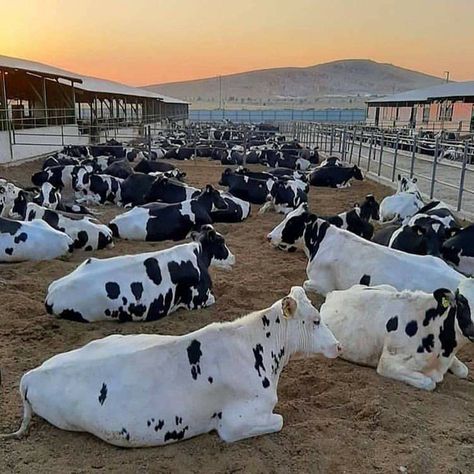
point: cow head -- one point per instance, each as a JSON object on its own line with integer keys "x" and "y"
{"x": 406, "y": 185}
{"x": 307, "y": 333}
{"x": 212, "y": 198}
{"x": 289, "y": 234}
{"x": 224, "y": 181}
{"x": 357, "y": 173}
{"x": 214, "y": 248}
{"x": 370, "y": 208}
{"x": 464, "y": 303}
{"x": 49, "y": 196}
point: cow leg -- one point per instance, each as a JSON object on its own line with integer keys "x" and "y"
{"x": 458, "y": 368}
{"x": 396, "y": 367}
{"x": 238, "y": 423}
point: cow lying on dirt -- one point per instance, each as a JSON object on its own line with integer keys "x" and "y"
{"x": 149, "y": 390}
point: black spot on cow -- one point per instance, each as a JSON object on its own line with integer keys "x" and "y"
{"x": 112, "y": 289}
{"x": 365, "y": 280}
{"x": 194, "y": 356}
{"x": 107, "y": 312}
{"x": 257, "y": 353}
{"x": 265, "y": 321}
{"x": 21, "y": 237}
{"x": 267, "y": 334}
{"x": 277, "y": 320}
{"x": 9, "y": 250}
{"x": 125, "y": 434}
{"x": 427, "y": 344}
{"x": 392, "y": 324}
{"x": 265, "y": 383}
{"x": 160, "y": 425}
{"x": 411, "y": 328}
{"x": 72, "y": 315}
{"x": 136, "y": 309}
{"x": 88, "y": 248}
{"x": 210, "y": 379}
{"x": 217, "y": 415}
{"x": 442, "y": 297}
{"x": 148, "y": 423}
{"x": 153, "y": 270}
{"x": 81, "y": 240}
{"x": 137, "y": 289}
{"x": 103, "y": 240}
{"x": 103, "y": 394}
{"x": 124, "y": 300}
{"x": 9, "y": 226}
{"x": 276, "y": 358}
{"x": 88, "y": 261}
{"x": 447, "y": 333}
{"x": 175, "y": 435}
{"x": 49, "y": 308}
{"x": 160, "y": 306}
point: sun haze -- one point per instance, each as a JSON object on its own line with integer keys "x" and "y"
{"x": 152, "y": 41}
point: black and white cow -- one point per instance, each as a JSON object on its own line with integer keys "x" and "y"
{"x": 406, "y": 202}
{"x": 408, "y": 336}
{"x": 248, "y": 189}
{"x": 98, "y": 188}
{"x": 412, "y": 239}
{"x": 48, "y": 196}
{"x": 141, "y": 287}
{"x": 357, "y": 220}
{"x": 87, "y": 233}
{"x": 223, "y": 377}
{"x": 161, "y": 221}
{"x": 339, "y": 259}
{"x": 22, "y": 241}
{"x": 281, "y": 174}
{"x": 284, "y": 196}
{"x": 335, "y": 176}
{"x": 459, "y": 250}
{"x": 13, "y": 200}
{"x": 61, "y": 177}
{"x": 59, "y": 160}
{"x": 438, "y": 211}
{"x": 331, "y": 161}
{"x": 237, "y": 209}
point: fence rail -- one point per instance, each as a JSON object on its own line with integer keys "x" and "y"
{"x": 444, "y": 167}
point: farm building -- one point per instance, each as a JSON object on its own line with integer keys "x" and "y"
{"x": 448, "y": 106}
{"x": 43, "y": 108}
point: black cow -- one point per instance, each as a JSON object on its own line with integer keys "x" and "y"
{"x": 162, "y": 221}
{"x": 285, "y": 196}
{"x": 59, "y": 160}
{"x": 170, "y": 191}
{"x": 248, "y": 189}
{"x": 335, "y": 176}
{"x": 148, "y": 166}
{"x": 357, "y": 220}
{"x": 119, "y": 169}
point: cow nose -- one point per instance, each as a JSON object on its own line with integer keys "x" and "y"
{"x": 339, "y": 348}
{"x": 269, "y": 238}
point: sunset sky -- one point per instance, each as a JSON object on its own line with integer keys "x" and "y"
{"x": 151, "y": 41}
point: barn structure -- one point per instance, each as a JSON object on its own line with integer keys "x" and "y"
{"x": 447, "y": 106}
{"x": 43, "y": 108}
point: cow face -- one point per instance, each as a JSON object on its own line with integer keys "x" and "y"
{"x": 357, "y": 173}
{"x": 465, "y": 301}
{"x": 370, "y": 208}
{"x": 288, "y": 235}
{"x": 406, "y": 185}
{"x": 213, "y": 244}
{"x": 217, "y": 200}
{"x": 224, "y": 181}
{"x": 307, "y": 332}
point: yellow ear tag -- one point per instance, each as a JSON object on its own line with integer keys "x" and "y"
{"x": 445, "y": 302}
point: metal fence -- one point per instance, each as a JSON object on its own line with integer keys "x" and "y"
{"x": 278, "y": 115}
{"x": 444, "y": 168}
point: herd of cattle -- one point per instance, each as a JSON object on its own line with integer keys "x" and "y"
{"x": 398, "y": 294}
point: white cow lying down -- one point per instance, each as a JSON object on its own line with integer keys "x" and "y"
{"x": 148, "y": 390}
{"x": 408, "y": 336}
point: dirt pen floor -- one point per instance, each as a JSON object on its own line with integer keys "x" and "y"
{"x": 338, "y": 417}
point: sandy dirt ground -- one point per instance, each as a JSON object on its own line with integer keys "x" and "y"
{"x": 338, "y": 417}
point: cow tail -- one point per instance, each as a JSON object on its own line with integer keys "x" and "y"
{"x": 27, "y": 414}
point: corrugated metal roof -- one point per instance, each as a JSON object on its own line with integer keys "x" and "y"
{"x": 450, "y": 89}
{"x": 86, "y": 83}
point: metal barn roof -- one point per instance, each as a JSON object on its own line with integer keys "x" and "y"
{"x": 86, "y": 83}
{"x": 443, "y": 91}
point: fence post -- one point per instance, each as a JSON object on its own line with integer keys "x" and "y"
{"x": 245, "y": 147}
{"x": 463, "y": 173}
{"x": 352, "y": 136}
{"x": 343, "y": 144}
{"x": 395, "y": 156}
{"x": 413, "y": 156}
{"x": 361, "y": 141}
{"x": 381, "y": 153}
{"x": 149, "y": 142}
{"x": 370, "y": 150}
{"x": 332, "y": 140}
{"x": 435, "y": 162}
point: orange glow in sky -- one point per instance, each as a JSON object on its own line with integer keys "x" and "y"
{"x": 151, "y": 41}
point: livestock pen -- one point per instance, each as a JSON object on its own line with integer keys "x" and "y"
{"x": 338, "y": 417}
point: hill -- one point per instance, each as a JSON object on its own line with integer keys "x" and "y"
{"x": 348, "y": 81}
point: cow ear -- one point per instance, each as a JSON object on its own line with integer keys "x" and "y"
{"x": 194, "y": 235}
{"x": 418, "y": 229}
{"x": 209, "y": 188}
{"x": 288, "y": 307}
{"x": 444, "y": 297}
